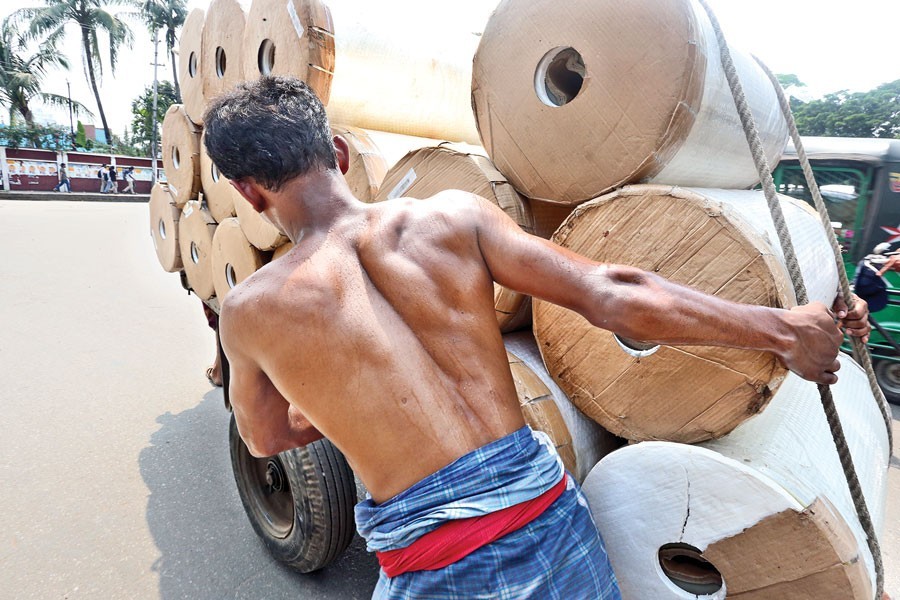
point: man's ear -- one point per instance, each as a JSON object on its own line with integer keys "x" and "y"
{"x": 250, "y": 192}
{"x": 342, "y": 153}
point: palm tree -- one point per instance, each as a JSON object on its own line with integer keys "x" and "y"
{"x": 21, "y": 76}
{"x": 168, "y": 15}
{"x": 92, "y": 17}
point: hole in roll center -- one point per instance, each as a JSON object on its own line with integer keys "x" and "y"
{"x": 686, "y": 567}
{"x": 559, "y": 76}
{"x": 230, "y": 276}
{"x": 635, "y": 348}
{"x": 220, "y": 62}
{"x": 265, "y": 58}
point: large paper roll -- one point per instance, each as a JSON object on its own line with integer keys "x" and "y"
{"x": 220, "y": 195}
{"x": 196, "y": 228}
{"x": 764, "y": 512}
{"x": 718, "y": 241}
{"x": 425, "y": 172}
{"x": 290, "y": 37}
{"x": 190, "y": 55}
{"x": 367, "y": 165}
{"x": 259, "y": 232}
{"x": 572, "y": 103}
{"x": 234, "y": 258}
{"x": 164, "y": 217}
{"x": 589, "y": 442}
{"x": 413, "y": 79}
{"x": 222, "y": 53}
{"x": 181, "y": 155}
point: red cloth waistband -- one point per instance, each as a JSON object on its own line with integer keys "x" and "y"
{"x": 456, "y": 539}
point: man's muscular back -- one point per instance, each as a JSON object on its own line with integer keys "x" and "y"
{"x": 381, "y": 332}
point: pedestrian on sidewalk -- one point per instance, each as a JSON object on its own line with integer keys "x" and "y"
{"x": 128, "y": 177}
{"x": 63, "y": 180}
{"x": 113, "y": 180}
{"x": 103, "y": 176}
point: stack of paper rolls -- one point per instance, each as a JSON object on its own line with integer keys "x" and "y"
{"x": 181, "y": 154}
{"x": 764, "y": 512}
{"x": 222, "y": 53}
{"x": 721, "y": 242}
{"x": 196, "y": 229}
{"x": 190, "y": 64}
{"x": 573, "y": 102}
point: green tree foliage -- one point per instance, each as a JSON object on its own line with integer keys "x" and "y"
{"x": 22, "y": 75}
{"x": 168, "y": 15}
{"x": 789, "y": 80}
{"x": 92, "y": 18}
{"x": 81, "y": 140}
{"x": 875, "y": 113}
{"x": 142, "y": 109}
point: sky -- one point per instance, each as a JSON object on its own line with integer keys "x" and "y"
{"x": 830, "y": 45}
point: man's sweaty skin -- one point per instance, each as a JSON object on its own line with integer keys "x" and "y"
{"x": 378, "y": 329}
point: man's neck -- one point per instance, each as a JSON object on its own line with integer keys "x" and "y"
{"x": 315, "y": 203}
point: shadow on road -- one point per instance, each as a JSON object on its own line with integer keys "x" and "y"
{"x": 207, "y": 548}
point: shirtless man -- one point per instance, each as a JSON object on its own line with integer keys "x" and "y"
{"x": 377, "y": 330}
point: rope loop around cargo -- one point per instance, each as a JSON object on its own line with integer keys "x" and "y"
{"x": 768, "y": 185}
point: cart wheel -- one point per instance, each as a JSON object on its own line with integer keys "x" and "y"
{"x": 300, "y": 502}
{"x": 887, "y": 374}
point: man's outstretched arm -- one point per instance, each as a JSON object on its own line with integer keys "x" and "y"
{"x": 643, "y": 306}
{"x": 267, "y": 422}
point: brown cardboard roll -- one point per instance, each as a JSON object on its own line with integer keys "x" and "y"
{"x": 721, "y": 242}
{"x": 572, "y": 103}
{"x": 260, "y": 232}
{"x": 367, "y": 165}
{"x": 221, "y": 55}
{"x": 424, "y": 172}
{"x": 190, "y": 55}
{"x": 181, "y": 155}
{"x": 233, "y": 257}
{"x": 217, "y": 189}
{"x": 196, "y": 228}
{"x": 540, "y": 410}
{"x": 290, "y": 37}
{"x": 164, "y": 228}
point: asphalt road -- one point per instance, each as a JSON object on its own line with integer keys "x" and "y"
{"x": 115, "y": 478}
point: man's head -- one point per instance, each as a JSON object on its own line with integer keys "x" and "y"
{"x": 272, "y": 129}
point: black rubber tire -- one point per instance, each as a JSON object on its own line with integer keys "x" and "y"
{"x": 887, "y": 374}
{"x": 306, "y": 519}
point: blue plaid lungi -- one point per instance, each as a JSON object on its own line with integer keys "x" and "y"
{"x": 559, "y": 555}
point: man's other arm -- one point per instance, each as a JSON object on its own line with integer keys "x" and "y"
{"x": 643, "y": 306}
{"x": 267, "y": 422}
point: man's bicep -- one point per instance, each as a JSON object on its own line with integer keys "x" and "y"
{"x": 532, "y": 265}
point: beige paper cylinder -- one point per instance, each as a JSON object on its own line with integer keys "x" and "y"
{"x": 190, "y": 55}
{"x": 540, "y": 410}
{"x": 572, "y": 103}
{"x": 259, "y": 232}
{"x": 425, "y": 172}
{"x": 290, "y": 37}
{"x": 222, "y": 53}
{"x": 233, "y": 257}
{"x": 282, "y": 250}
{"x": 164, "y": 217}
{"x": 181, "y": 155}
{"x": 196, "y": 228}
{"x": 217, "y": 189}
{"x": 721, "y": 242}
{"x": 413, "y": 77}
{"x": 367, "y": 165}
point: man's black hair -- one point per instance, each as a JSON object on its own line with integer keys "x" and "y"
{"x": 272, "y": 129}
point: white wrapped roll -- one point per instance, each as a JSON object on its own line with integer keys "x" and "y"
{"x": 413, "y": 80}
{"x": 767, "y": 505}
{"x": 721, "y": 242}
